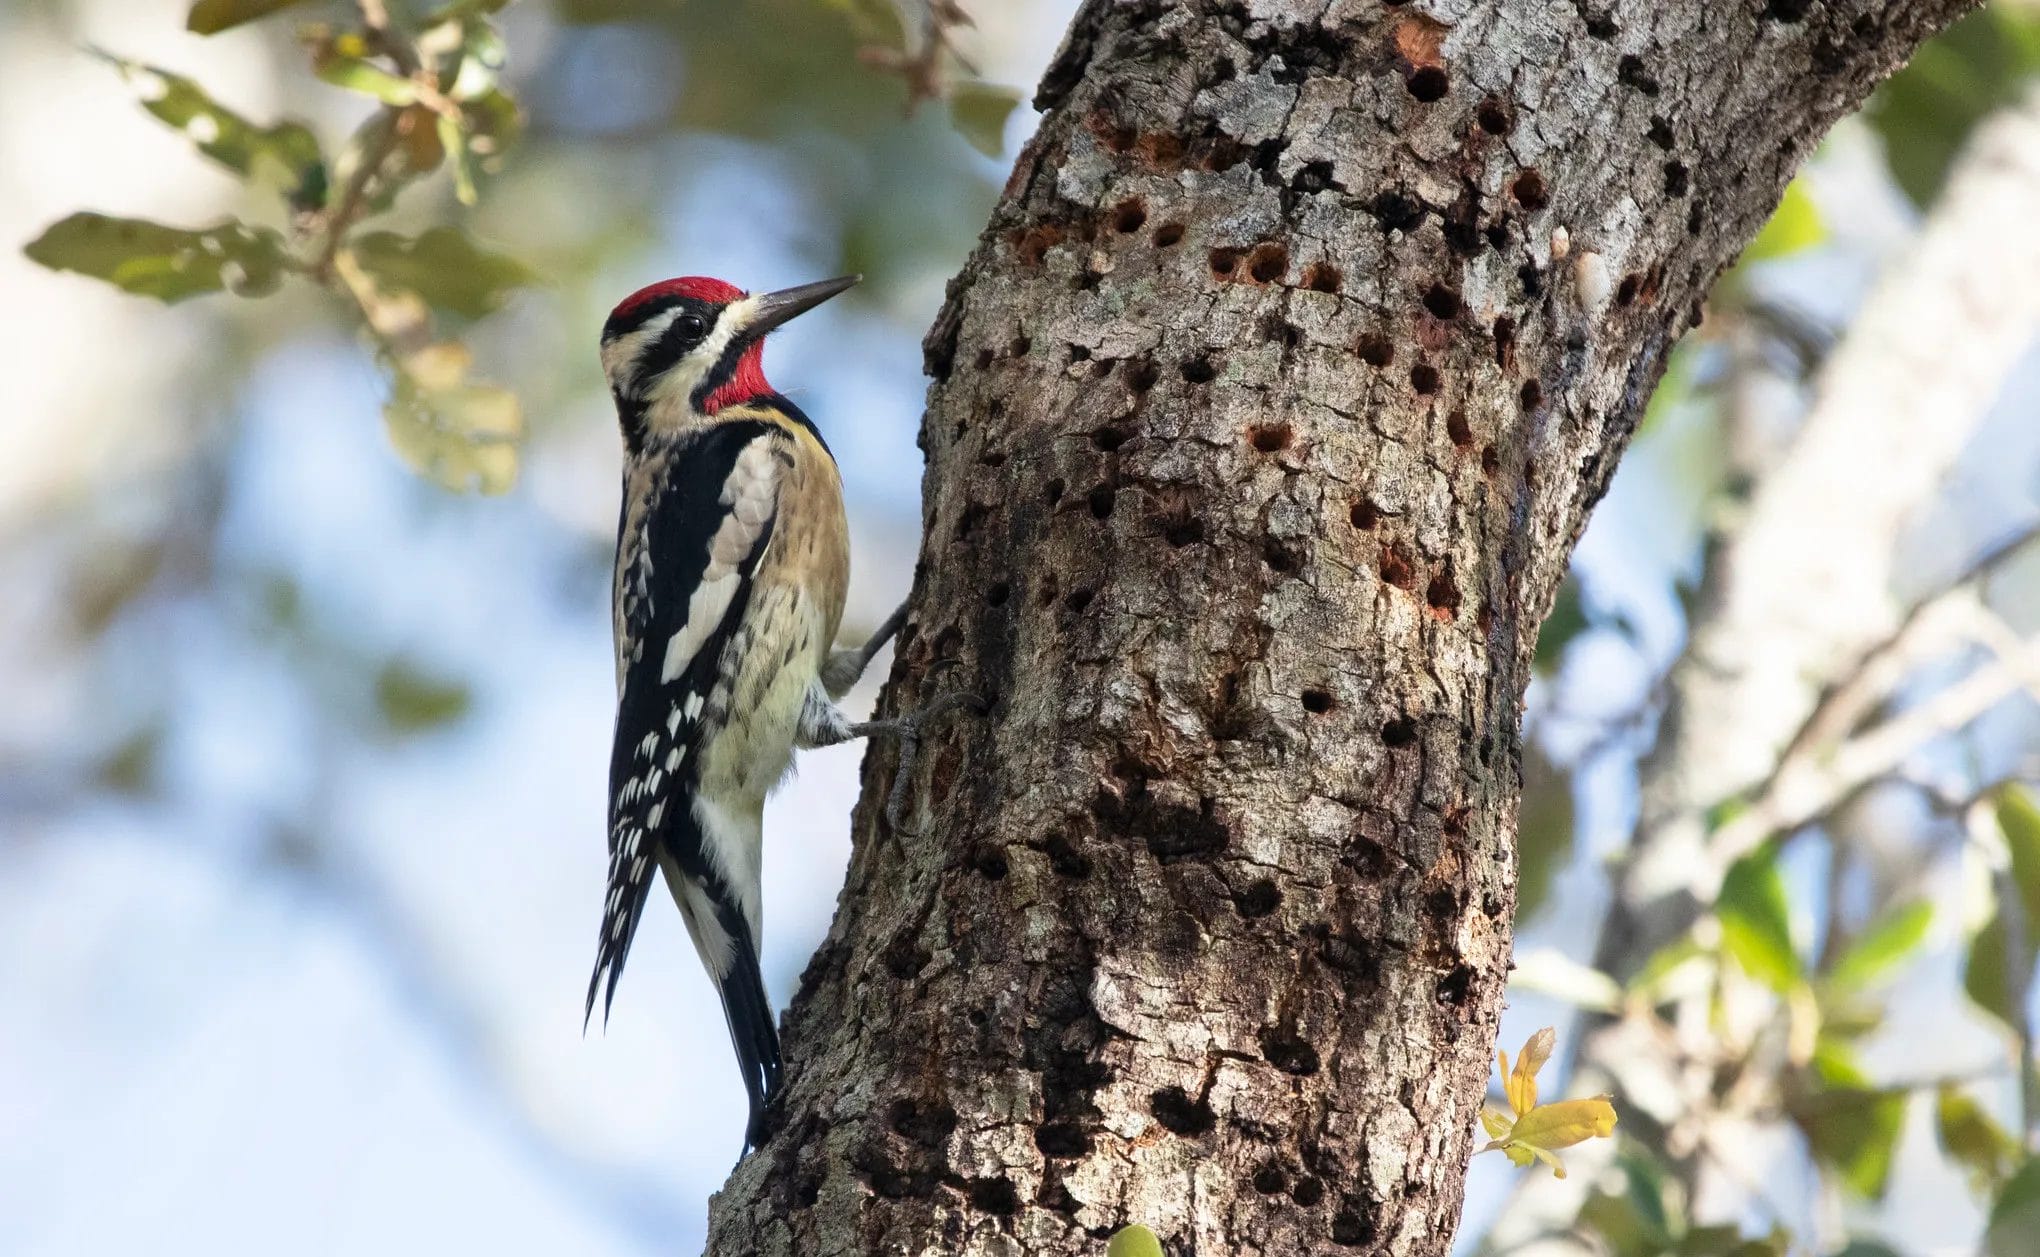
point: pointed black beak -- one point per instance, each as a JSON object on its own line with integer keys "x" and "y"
{"x": 771, "y": 309}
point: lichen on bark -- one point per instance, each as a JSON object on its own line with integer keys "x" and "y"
{"x": 1262, "y": 422}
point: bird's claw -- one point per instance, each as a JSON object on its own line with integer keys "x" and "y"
{"x": 906, "y": 730}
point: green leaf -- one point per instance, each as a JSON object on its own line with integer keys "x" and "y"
{"x": 411, "y": 700}
{"x": 1984, "y": 976}
{"x": 167, "y": 263}
{"x": 285, "y": 156}
{"x": 1756, "y": 924}
{"x": 1134, "y": 1241}
{"x": 1851, "y": 1127}
{"x": 1544, "y": 831}
{"x": 979, "y": 111}
{"x": 464, "y": 435}
{"x": 210, "y": 17}
{"x": 357, "y": 74}
{"x": 2014, "y": 1229}
{"x": 1973, "y": 1140}
{"x": 874, "y": 21}
{"x": 2018, "y": 819}
{"x": 1795, "y": 225}
{"x": 1566, "y": 620}
{"x": 1925, "y": 112}
{"x": 445, "y": 267}
{"x": 1882, "y": 947}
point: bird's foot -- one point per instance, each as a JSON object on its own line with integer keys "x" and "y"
{"x": 906, "y": 730}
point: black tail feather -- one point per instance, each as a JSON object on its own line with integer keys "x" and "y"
{"x": 753, "y": 1032}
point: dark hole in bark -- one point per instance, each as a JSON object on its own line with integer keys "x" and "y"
{"x": 1271, "y": 438}
{"x": 1365, "y": 514}
{"x": 1110, "y": 438}
{"x": 1456, "y": 428}
{"x": 967, "y": 523}
{"x": 1399, "y": 732}
{"x": 995, "y": 1196}
{"x": 1322, "y": 277}
{"x": 1141, "y": 375}
{"x": 1787, "y": 10}
{"x": 1307, "y": 1192}
{"x": 1049, "y": 589}
{"x": 1080, "y": 353}
{"x": 1177, "y": 1112}
{"x": 991, "y": 865}
{"x": 1259, "y": 899}
{"x": 1396, "y": 568}
{"x": 1224, "y": 262}
{"x": 1277, "y": 330}
{"x": 1053, "y": 490}
{"x": 1168, "y": 234}
{"x": 1493, "y": 117}
{"x": 985, "y": 358}
{"x": 1601, "y": 25}
{"x": 1441, "y": 301}
{"x": 1490, "y": 459}
{"x": 1456, "y": 986}
{"x": 1269, "y": 1180}
{"x": 1424, "y": 378}
{"x": 1128, "y": 216}
{"x": 998, "y": 593}
{"x": 1315, "y": 176}
{"x": 808, "y": 1191}
{"x": 1061, "y": 1139}
{"x": 1317, "y": 702}
{"x": 1065, "y": 859}
{"x": 1532, "y": 281}
{"x": 1497, "y": 233}
{"x": 1375, "y": 349}
{"x": 1677, "y": 181}
{"x": 1396, "y": 210}
{"x": 1351, "y": 1228}
{"x": 992, "y": 458}
{"x": 1079, "y": 599}
{"x": 1101, "y": 500}
{"x": 1625, "y": 292}
{"x": 1429, "y": 84}
{"x": 1183, "y": 532}
{"x": 1199, "y": 370}
{"x": 1529, "y": 190}
{"x": 1632, "y": 71}
{"x": 1102, "y": 367}
{"x": 1660, "y": 133}
{"x": 1269, "y": 262}
{"x": 1442, "y": 596}
{"x": 1018, "y": 349}
{"x": 1281, "y": 559}
{"x": 927, "y": 1125}
{"x": 904, "y": 958}
{"x": 1505, "y": 340}
{"x": 1532, "y": 394}
{"x": 1288, "y": 1053}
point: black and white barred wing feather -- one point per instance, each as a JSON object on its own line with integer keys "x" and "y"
{"x": 708, "y": 529}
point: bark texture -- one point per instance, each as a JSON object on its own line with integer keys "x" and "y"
{"x": 1263, "y": 420}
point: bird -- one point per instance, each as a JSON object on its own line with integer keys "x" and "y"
{"x": 732, "y": 565}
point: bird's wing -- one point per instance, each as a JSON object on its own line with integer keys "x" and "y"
{"x": 689, "y": 568}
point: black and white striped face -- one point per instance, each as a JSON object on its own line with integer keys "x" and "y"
{"x": 677, "y": 352}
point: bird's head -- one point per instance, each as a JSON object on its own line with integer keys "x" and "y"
{"x": 681, "y": 350}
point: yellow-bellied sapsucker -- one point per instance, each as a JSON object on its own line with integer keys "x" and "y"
{"x": 732, "y": 561}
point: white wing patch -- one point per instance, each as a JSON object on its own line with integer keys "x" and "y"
{"x": 752, "y": 494}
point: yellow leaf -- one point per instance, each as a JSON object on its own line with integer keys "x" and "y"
{"x": 1495, "y": 1121}
{"x": 1565, "y": 1123}
{"x": 1518, "y": 1154}
{"x": 1521, "y": 1084}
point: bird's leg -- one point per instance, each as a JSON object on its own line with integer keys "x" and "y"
{"x": 822, "y": 723}
{"x": 844, "y": 667}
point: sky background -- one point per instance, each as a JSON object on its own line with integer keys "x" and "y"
{"x": 302, "y": 758}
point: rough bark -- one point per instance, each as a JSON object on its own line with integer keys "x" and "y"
{"x": 1263, "y": 420}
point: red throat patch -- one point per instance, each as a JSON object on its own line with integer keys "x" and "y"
{"x": 746, "y": 383}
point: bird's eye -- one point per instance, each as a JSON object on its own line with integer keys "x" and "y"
{"x": 692, "y": 326}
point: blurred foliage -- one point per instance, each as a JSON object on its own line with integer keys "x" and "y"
{"x": 434, "y": 74}
{"x": 1926, "y": 110}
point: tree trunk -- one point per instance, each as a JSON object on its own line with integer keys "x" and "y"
{"x": 1263, "y": 421}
